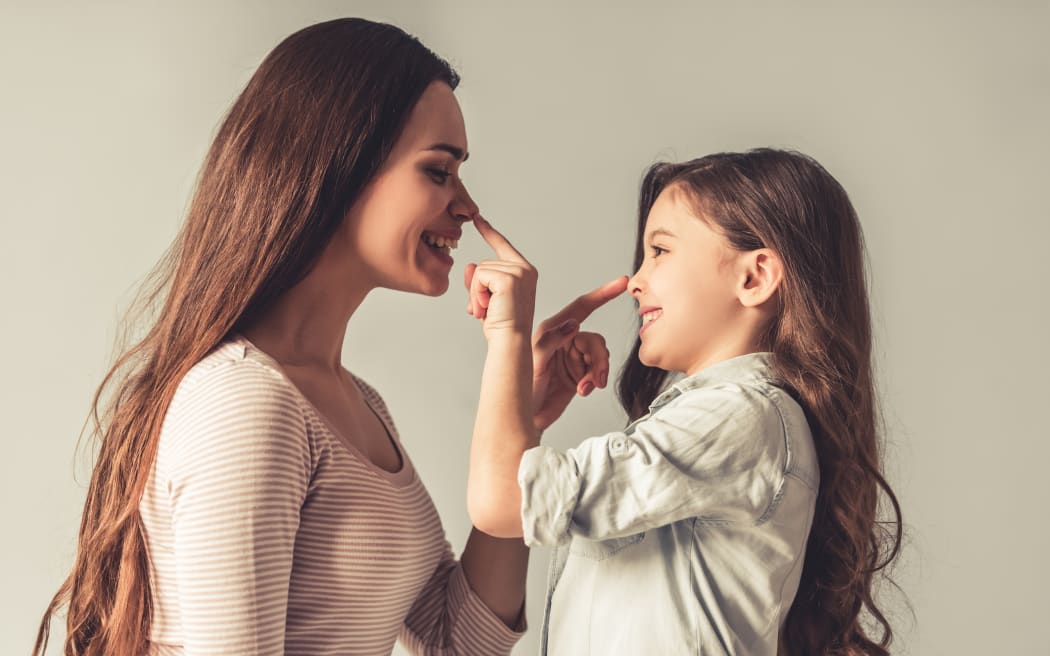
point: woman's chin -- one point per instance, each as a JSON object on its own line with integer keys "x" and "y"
{"x": 434, "y": 287}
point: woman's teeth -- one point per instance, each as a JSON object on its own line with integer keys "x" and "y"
{"x": 651, "y": 316}
{"x": 439, "y": 242}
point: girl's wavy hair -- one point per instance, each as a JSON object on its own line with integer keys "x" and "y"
{"x": 309, "y": 131}
{"x": 821, "y": 343}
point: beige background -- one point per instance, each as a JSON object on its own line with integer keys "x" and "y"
{"x": 934, "y": 118}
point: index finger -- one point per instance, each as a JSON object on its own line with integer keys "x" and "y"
{"x": 582, "y": 306}
{"x": 497, "y": 241}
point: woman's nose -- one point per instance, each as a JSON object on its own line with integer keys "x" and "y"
{"x": 463, "y": 206}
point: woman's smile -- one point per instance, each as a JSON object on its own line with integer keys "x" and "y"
{"x": 441, "y": 244}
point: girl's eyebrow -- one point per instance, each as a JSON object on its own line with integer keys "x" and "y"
{"x": 455, "y": 151}
{"x": 661, "y": 231}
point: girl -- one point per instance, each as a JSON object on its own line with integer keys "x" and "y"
{"x": 737, "y": 512}
{"x": 252, "y": 496}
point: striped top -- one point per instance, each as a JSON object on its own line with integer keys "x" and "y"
{"x": 268, "y": 535}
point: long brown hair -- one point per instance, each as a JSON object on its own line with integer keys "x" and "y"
{"x": 309, "y": 131}
{"x": 821, "y": 345}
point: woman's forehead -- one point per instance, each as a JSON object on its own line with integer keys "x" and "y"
{"x": 436, "y": 120}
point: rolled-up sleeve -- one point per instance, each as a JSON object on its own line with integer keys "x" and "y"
{"x": 717, "y": 453}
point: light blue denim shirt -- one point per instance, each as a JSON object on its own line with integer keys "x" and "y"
{"x": 685, "y": 532}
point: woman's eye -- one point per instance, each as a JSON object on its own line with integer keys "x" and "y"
{"x": 439, "y": 176}
{"x": 657, "y": 251}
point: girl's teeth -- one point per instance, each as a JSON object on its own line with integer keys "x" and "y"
{"x": 651, "y": 316}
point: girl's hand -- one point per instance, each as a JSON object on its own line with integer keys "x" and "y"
{"x": 566, "y": 361}
{"x": 502, "y": 292}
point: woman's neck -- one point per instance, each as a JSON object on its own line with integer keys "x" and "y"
{"x": 306, "y": 326}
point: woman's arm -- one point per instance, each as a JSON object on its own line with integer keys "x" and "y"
{"x": 514, "y": 405}
{"x": 464, "y": 608}
{"x": 496, "y": 569}
{"x": 235, "y": 462}
{"x": 503, "y": 294}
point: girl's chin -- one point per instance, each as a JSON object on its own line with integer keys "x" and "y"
{"x": 647, "y": 358}
{"x": 653, "y": 360}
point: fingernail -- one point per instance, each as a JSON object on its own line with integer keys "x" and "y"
{"x": 568, "y": 326}
{"x": 588, "y": 387}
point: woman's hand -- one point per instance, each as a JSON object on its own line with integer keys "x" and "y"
{"x": 566, "y": 361}
{"x": 502, "y": 292}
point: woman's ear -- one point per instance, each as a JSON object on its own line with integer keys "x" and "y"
{"x": 761, "y": 272}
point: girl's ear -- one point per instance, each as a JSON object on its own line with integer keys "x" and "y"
{"x": 761, "y": 272}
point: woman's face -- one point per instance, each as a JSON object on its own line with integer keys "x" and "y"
{"x": 399, "y": 233}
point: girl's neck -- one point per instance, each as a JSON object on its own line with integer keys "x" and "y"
{"x": 722, "y": 352}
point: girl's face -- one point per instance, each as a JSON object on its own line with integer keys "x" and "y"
{"x": 686, "y": 289}
{"x": 399, "y": 233}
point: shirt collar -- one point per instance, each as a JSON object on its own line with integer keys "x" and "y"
{"x": 748, "y": 368}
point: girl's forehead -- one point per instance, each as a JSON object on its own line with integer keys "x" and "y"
{"x": 670, "y": 210}
{"x": 674, "y": 215}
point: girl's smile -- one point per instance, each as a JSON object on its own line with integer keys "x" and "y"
{"x": 649, "y": 315}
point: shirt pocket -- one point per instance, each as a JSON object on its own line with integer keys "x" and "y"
{"x": 602, "y": 549}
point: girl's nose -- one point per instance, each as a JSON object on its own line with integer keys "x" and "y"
{"x": 634, "y": 285}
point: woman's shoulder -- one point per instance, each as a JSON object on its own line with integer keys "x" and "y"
{"x": 229, "y": 382}
{"x": 236, "y": 417}
{"x": 233, "y": 362}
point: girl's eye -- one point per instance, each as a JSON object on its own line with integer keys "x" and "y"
{"x": 440, "y": 176}
{"x": 657, "y": 251}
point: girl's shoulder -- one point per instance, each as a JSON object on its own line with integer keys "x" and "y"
{"x": 749, "y": 400}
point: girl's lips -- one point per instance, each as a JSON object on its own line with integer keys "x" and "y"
{"x": 650, "y": 315}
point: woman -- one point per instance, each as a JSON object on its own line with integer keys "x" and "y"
{"x": 251, "y": 495}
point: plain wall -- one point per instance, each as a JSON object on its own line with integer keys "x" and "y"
{"x": 933, "y": 116}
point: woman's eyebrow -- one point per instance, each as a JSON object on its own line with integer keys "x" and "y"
{"x": 455, "y": 151}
